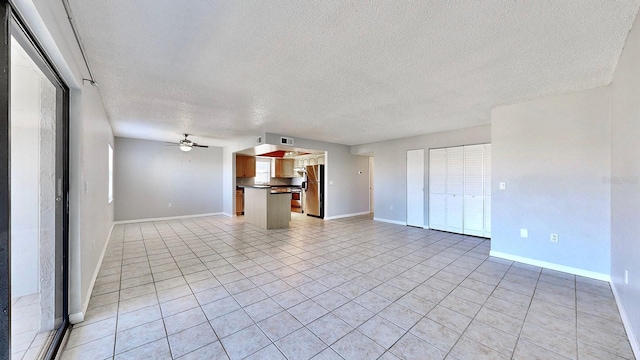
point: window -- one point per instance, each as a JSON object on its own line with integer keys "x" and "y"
{"x": 263, "y": 171}
{"x": 110, "y": 174}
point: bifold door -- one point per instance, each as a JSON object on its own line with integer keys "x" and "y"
{"x": 460, "y": 189}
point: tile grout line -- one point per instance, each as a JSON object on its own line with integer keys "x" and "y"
{"x": 252, "y": 244}
{"x": 526, "y": 313}
{"x": 481, "y": 305}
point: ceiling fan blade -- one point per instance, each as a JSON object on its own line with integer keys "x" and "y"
{"x": 171, "y": 144}
{"x": 202, "y": 146}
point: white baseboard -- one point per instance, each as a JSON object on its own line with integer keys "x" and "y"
{"x": 404, "y": 223}
{"x": 633, "y": 340}
{"x": 119, "y": 222}
{"x": 552, "y": 266}
{"x": 229, "y": 215}
{"x": 79, "y": 316}
{"x": 76, "y": 318}
{"x": 346, "y": 215}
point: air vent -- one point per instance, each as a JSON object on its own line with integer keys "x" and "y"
{"x": 259, "y": 140}
{"x": 286, "y": 141}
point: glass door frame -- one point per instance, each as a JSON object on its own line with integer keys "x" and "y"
{"x": 12, "y": 23}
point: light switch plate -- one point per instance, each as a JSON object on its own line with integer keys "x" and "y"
{"x": 503, "y": 186}
{"x": 524, "y": 233}
{"x": 626, "y": 277}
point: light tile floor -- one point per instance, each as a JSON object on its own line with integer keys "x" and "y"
{"x": 27, "y": 342}
{"x": 217, "y": 288}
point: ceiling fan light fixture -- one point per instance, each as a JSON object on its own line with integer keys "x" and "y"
{"x": 186, "y": 145}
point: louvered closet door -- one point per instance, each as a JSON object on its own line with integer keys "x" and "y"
{"x": 473, "y": 190}
{"x": 437, "y": 189}
{"x": 487, "y": 190}
{"x": 455, "y": 189}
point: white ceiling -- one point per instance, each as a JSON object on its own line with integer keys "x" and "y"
{"x": 348, "y": 72}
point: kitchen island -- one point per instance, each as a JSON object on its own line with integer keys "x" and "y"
{"x": 266, "y": 207}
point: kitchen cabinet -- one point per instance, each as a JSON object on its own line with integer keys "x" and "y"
{"x": 245, "y": 166}
{"x": 283, "y": 168}
{"x": 296, "y": 201}
{"x": 266, "y": 209}
{"x": 239, "y": 202}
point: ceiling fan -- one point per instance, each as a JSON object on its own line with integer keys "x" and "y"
{"x": 186, "y": 144}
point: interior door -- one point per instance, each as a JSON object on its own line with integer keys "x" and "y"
{"x": 437, "y": 189}
{"x": 371, "y": 190}
{"x": 474, "y": 190}
{"x": 487, "y": 190}
{"x": 415, "y": 188}
{"x": 455, "y": 189}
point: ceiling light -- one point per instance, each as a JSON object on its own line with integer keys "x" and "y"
{"x": 186, "y": 145}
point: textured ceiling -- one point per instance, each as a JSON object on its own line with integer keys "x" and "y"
{"x": 348, "y": 72}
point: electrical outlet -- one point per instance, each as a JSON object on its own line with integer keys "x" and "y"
{"x": 524, "y": 233}
{"x": 554, "y": 237}
{"x": 503, "y": 186}
{"x": 626, "y": 277}
{"x": 390, "y": 207}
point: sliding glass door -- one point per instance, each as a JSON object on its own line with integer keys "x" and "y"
{"x": 33, "y": 198}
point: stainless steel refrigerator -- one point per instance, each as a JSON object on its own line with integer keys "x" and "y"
{"x": 314, "y": 191}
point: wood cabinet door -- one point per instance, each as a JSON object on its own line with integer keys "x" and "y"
{"x": 240, "y": 166}
{"x": 287, "y": 168}
{"x": 250, "y": 167}
{"x": 245, "y": 166}
{"x": 239, "y": 202}
{"x": 284, "y": 168}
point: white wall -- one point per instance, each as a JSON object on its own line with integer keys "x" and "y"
{"x": 150, "y": 175}
{"x": 90, "y": 136}
{"x": 625, "y": 189}
{"x": 91, "y": 217}
{"x": 390, "y": 177}
{"x": 553, "y": 153}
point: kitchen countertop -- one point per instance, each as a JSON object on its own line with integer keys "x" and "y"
{"x": 275, "y": 189}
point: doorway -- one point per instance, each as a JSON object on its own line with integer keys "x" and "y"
{"x": 371, "y": 202}
{"x": 415, "y": 188}
{"x": 34, "y": 196}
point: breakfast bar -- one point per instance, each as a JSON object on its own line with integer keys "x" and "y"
{"x": 266, "y": 207}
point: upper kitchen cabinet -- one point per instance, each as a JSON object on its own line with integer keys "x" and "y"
{"x": 245, "y": 166}
{"x": 283, "y": 168}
